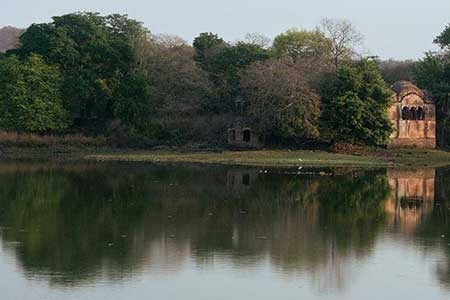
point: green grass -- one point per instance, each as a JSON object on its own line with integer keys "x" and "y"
{"x": 285, "y": 158}
{"x": 416, "y": 157}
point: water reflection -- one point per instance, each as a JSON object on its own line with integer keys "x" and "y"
{"x": 75, "y": 224}
{"x": 412, "y": 197}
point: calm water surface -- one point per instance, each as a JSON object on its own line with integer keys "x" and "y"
{"x": 121, "y": 231}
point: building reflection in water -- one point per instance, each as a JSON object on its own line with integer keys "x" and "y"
{"x": 240, "y": 180}
{"x": 412, "y": 197}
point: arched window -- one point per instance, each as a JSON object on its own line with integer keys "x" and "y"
{"x": 413, "y": 113}
{"x": 247, "y": 135}
{"x": 420, "y": 113}
{"x": 405, "y": 113}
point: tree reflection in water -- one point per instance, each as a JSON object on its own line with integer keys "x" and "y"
{"x": 76, "y": 223}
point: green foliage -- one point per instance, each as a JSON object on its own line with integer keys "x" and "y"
{"x": 107, "y": 75}
{"x": 204, "y": 44}
{"x": 132, "y": 106}
{"x": 443, "y": 39}
{"x": 299, "y": 45}
{"x": 225, "y": 67}
{"x": 94, "y": 53}
{"x": 355, "y": 102}
{"x": 30, "y": 98}
{"x": 309, "y": 49}
{"x": 432, "y": 73}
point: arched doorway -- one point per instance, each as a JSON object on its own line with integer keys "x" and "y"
{"x": 247, "y": 135}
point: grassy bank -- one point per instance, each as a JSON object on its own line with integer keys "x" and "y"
{"x": 78, "y": 147}
{"x": 29, "y": 140}
{"x": 34, "y": 146}
{"x": 285, "y": 158}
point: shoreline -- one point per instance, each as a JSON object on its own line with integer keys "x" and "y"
{"x": 366, "y": 158}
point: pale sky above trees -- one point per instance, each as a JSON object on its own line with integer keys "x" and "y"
{"x": 398, "y": 29}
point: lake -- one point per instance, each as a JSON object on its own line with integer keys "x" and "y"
{"x": 141, "y": 231}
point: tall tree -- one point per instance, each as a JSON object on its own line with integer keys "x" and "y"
{"x": 30, "y": 98}
{"x": 205, "y": 45}
{"x": 94, "y": 53}
{"x": 432, "y": 73}
{"x": 281, "y": 101}
{"x": 355, "y": 102}
{"x": 299, "y": 45}
{"x": 179, "y": 87}
{"x": 306, "y": 48}
{"x": 443, "y": 39}
{"x": 224, "y": 68}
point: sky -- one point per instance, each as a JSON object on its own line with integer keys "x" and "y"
{"x": 396, "y": 29}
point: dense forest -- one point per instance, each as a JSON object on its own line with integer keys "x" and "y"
{"x": 109, "y": 76}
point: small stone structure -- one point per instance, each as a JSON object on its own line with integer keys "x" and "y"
{"x": 240, "y": 135}
{"x": 413, "y": 116}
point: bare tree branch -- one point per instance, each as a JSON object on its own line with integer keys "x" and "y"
{"x": 342, "y": 37}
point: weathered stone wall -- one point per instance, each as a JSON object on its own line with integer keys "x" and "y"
{"x": 237, "y": 138}
{"x": 412, "y": 133}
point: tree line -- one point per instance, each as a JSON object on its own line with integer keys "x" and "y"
{"x": 110, "y": 76}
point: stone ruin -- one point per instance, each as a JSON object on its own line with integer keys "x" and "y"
{"x": 413, "y": 116}
{"x": 241, "y": 135}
